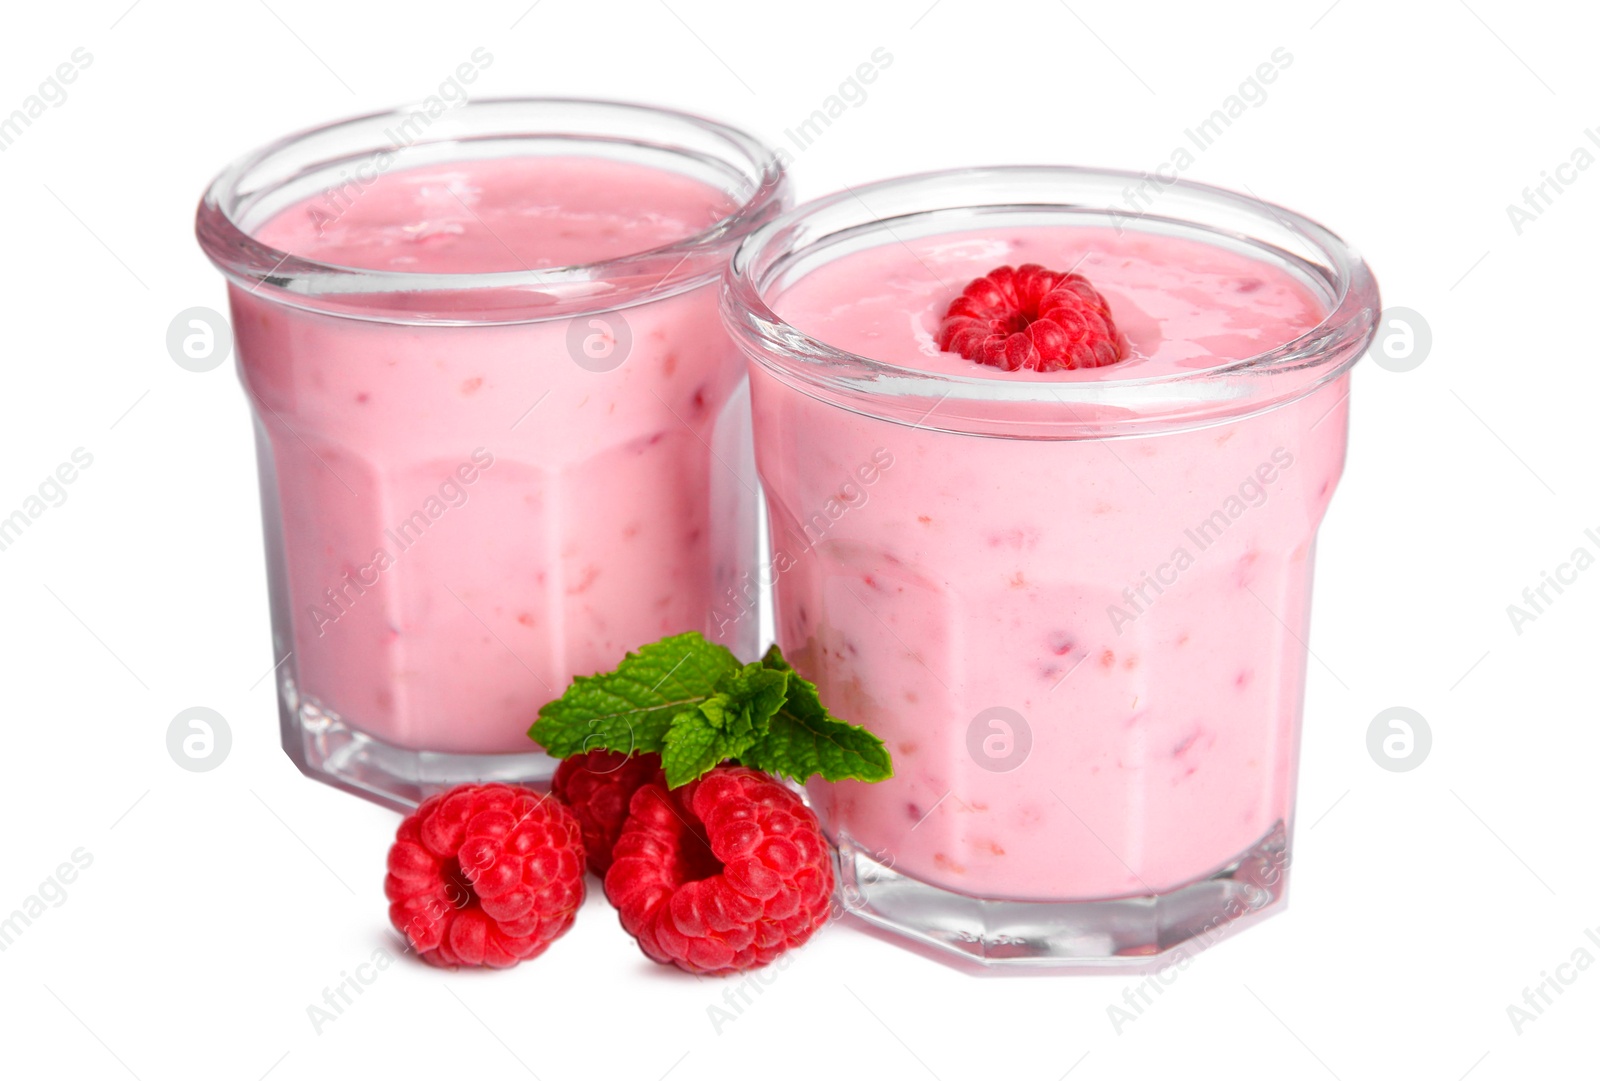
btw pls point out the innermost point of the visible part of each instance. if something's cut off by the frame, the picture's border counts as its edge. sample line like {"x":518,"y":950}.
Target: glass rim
{"x":1268,"y":378}
{"x":247,"y":261}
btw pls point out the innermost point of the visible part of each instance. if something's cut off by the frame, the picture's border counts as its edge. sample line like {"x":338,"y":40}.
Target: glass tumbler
{"x":1075,"y":610}
{"x":476,"y":485}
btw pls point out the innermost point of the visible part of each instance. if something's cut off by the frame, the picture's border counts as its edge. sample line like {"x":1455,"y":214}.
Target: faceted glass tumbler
{"x":1076,"y":612}
{"x":476,"y":486}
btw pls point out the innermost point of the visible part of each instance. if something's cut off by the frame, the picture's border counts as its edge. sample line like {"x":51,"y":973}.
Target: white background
{"x":219,"y":905}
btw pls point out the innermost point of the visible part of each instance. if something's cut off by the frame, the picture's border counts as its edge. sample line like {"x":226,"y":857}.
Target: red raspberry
{"x":1034,"y":318}
{"x":597,"y":785}
{"x":721,"y":875}
{"x":485,"y":875}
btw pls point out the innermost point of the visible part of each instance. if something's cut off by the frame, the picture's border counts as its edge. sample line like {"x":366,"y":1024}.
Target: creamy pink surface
{"x":461,"y":518}
{"x":973,"y":572}
{"x":1184,"y":305}
{"x":498,"y":214}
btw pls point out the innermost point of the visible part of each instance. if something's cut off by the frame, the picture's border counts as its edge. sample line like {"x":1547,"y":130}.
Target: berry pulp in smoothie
{"x":1086,"y":655}
{"x":463,"y":515}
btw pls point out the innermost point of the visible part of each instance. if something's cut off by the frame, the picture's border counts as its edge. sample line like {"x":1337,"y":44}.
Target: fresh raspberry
{"x":721,"y":875}
{"x":485,"y":875}
{"x":597,"y":785}
{"x":1030,"y":317}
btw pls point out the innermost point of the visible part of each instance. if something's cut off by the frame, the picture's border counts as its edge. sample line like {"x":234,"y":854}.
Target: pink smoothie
{"x":462,"y":517}
{"x":1141,"y":603}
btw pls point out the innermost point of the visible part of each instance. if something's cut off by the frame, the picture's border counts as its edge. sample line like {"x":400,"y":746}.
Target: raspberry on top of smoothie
{"x":1030,"y":317}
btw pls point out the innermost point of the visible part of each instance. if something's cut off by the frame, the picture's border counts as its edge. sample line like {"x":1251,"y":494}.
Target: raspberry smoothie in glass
{"x":1066,"y":576}
{"x":503,"y":437}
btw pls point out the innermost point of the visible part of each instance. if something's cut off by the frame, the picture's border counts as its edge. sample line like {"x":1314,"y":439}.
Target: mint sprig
{"x":694,"y":704}
{"x":809,"y":740}
{"x":629,"y":710}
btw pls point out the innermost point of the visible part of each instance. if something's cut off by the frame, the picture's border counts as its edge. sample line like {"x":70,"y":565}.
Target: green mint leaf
{"x":693,"y":703}
{"x":630,"y":710}
{"x":803,"y":738}
{"x":695,"y":743}
{"x":723,"y":726}
{"x":757,"y":690}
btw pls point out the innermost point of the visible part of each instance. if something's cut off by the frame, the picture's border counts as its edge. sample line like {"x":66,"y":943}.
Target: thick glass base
{"x":328,"y":749}
{"x":1128,"y":934}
